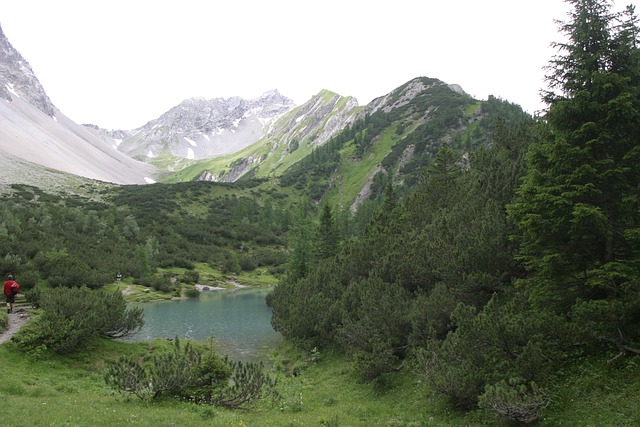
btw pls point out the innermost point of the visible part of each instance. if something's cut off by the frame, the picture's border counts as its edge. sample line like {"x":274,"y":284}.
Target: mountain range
{"x":230,"y":139}
{"x":34,"y":134}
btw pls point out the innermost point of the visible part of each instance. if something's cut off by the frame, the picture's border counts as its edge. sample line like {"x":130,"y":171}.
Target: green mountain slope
{"x":393,"y":139}
{"x":331,"y":149}
{"x":290,"y":139}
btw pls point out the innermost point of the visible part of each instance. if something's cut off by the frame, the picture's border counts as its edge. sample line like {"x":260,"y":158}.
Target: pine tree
{"x":300,"y":244}
{"x":327,"y":235}
{"x":577,"y":209}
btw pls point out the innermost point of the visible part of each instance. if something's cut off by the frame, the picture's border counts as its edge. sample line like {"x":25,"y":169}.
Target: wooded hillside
{"x":492,"y":274}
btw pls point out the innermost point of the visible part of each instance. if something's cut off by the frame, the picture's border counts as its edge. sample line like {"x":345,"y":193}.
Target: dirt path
{"x":16,"y":321}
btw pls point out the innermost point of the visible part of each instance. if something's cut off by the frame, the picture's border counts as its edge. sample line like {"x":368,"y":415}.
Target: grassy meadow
{"x":315,"y":388}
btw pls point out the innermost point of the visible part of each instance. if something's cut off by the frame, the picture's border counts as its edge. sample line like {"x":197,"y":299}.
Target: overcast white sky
{"x":121,"y":63}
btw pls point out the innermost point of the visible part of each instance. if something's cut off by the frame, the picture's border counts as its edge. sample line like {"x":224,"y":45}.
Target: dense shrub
{"x":267,"y":256}
{"x":378,"y":347}
{"x":28,"y":280}
{"x":505,"y":340}
{"x":70,"y":317}
{"x":192,"y":293}
{"x":516,"y":400}
{"x":247,"y":262}
{"x":162,"y":284}
{"x":231,"y":263}
{"x":201,"y":376}
{"x":73,"y":241}
{"x":190,"y":276}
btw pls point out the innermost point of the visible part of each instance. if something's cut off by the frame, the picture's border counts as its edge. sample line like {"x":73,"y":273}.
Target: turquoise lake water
{"x":239,"y":320}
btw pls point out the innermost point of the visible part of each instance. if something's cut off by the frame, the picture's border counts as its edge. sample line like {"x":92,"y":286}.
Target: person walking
{"x":11,"y":288}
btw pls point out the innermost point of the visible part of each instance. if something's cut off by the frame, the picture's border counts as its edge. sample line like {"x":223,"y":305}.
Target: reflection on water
{"x":239,"y":320}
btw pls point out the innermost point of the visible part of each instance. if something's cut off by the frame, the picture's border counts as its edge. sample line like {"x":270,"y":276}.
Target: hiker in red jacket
{"x":11,"y":288}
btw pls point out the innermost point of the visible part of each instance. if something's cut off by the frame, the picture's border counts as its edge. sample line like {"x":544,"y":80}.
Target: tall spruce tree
{"x":300,"y":244}
{"x":326,"y":244}
{"x":578,"y":209}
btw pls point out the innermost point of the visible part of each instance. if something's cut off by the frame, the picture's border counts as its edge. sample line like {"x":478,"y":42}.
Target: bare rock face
{"x":18,"y":80}
{"x":199,"y":128}
{"x":405,"y":94}
{"x":35,"y":134}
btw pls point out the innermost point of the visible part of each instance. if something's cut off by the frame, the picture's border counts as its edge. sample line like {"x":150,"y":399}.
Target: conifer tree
{"x":577,"y":209}
{"x":327,"y":235}
{"x":300,"y":244}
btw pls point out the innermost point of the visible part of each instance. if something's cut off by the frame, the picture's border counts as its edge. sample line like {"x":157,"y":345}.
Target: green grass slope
{"x":46,"y":390}
{"x":291,"y":138}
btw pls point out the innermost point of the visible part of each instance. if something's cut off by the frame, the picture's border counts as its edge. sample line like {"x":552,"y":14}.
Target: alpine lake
{"x":238,"y":320}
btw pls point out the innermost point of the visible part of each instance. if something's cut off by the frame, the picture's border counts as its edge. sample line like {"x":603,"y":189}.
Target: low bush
{"x":71,"y":316}
{"x":200,"y":376}
{"x":515,"y":400}
{"x":161,"y":284}
{"x":192,"y":293}
{"x":190,"y":276}
{"x":247,"y":263}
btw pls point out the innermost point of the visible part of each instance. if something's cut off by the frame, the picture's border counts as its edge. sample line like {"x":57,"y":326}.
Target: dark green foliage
{"x":201,"y":376}
{"x":515,"y":400}
{"x":71,"y":241}
{"x":72,"y":316}
{"x":496,"y":113}
{"x":159,"y":283}
{"x":267,"y":256}
{"x":246,"y":262}
{"x":316,"y":167}
{"x":27,"y":280}
{"x":307,"y":308}
{"x":247,"y":385}
{"x":231,"y":263}
{"x":190,"y":277}
{"x":506,"y":339}
{"x":446,"y":243}
{"x":300,"y":247}
{"x":192,"y":293}
{"x":577,"y":210}
{"x":381,"y":181}
{"x":128,"y":375}
{"x":327,"y":236}
{"x":374,"y":326}
{"x":418,"y":278}
{"x":169,"y":372}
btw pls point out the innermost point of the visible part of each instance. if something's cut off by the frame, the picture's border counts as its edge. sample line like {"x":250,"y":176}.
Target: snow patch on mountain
{"x":34,"y":131}
{"x":17,"y":79}
{"x":198,"y":128}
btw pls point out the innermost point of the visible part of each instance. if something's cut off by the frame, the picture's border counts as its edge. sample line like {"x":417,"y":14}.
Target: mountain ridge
{"x":34,"y":130}
{"x":17,"y":79}
{"x":232,"y":139}
{"x":198,"y":128}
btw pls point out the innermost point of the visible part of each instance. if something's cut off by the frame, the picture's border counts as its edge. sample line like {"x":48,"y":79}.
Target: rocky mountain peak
{"x":273,"y":97}
{"x":198,"y":127}
{"x":419,"y":87}
{"x":194,"y":117}
{"x":17,"y":79}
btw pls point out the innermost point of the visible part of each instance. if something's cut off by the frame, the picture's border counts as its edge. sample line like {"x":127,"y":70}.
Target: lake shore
{"x":206,"y":288}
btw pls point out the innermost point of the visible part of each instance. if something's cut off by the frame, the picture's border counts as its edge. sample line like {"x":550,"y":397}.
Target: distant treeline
{"x":72,"y":241}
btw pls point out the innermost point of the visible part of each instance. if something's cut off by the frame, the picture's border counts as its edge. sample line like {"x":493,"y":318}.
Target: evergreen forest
{"x":490,"y":276}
